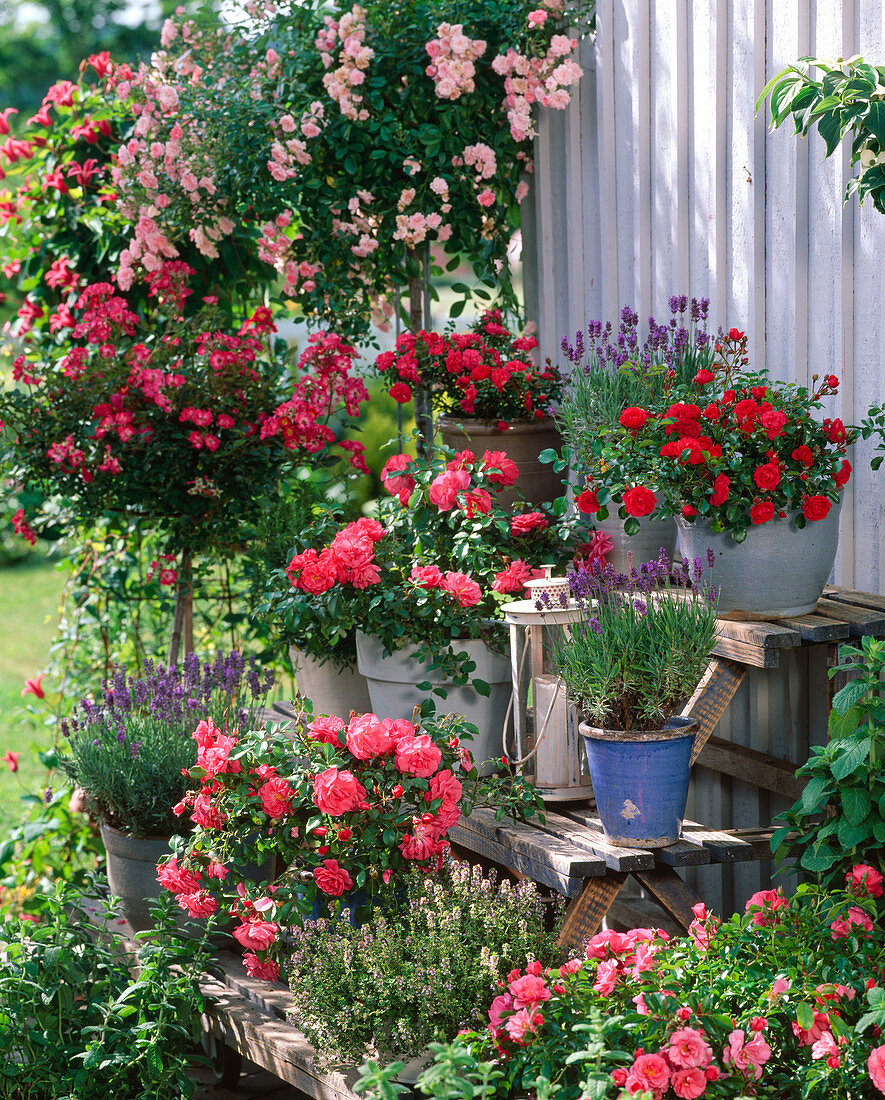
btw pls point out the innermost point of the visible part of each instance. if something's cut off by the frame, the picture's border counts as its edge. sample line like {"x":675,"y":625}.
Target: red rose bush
{"x":341,"y":806}
{"x":484,"y":374}
{"x":731,"y":446}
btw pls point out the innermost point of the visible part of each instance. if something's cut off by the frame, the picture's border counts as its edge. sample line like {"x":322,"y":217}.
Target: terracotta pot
{"x":523,"y":441}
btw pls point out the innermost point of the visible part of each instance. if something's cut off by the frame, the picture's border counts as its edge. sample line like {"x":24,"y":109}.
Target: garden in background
{"x":307,"y":562}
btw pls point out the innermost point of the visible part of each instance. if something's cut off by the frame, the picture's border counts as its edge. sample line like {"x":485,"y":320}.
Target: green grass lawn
{"x":29,"y":603}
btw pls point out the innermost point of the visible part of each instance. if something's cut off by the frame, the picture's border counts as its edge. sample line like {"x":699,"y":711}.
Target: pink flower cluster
{"x":413,"y":227}
{"x":325,"y":385}
{"x":275,"y":249}
{"x":542,"y":79}
{"x":452,"y":55}
{"x":353,"y":60}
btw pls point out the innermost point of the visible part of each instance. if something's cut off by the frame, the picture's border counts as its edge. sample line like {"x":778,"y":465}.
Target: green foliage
{"x":840,"y":818}
{"x":74,"y":1022}
{"x":847,"y":99}
{"x":417,"y":971}
{"x":53,"y":844}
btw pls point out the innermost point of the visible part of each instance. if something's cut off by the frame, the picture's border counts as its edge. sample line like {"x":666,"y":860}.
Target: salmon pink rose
{"x":427,"y":576}
{"x":326,"y":729}
{"x":256,"y":934}
{"x":367,"y":736}
{"x":332,"y":879}
{"x":876,"y":1068}
{"x":276,"y":797}
{"x":396,"y":481}
{"x":445,"y":786}
{"x":264,"y":969}
{"x":338,"y":792}
{"x":650,"y":1072}
{"x":863,"y":880}
{"x":464,"y":589}
{"x":688,"y":1048}
{"x":445,"y":487}
{"x":502,"y":470}
{"x":177,"y":880}
{"x":418,"y":756}
{"x":688,"y":1084}
{"x":198,"y":905}
{"x":530,"y":989}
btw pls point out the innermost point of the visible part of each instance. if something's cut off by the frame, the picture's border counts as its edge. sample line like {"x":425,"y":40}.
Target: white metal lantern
{"x":545,"y":746}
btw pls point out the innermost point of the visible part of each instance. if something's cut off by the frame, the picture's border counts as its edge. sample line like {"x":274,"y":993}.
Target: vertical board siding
{"x":661,"y":180}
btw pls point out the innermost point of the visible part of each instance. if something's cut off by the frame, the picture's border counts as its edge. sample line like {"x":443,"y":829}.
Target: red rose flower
{"x":843,"y":473}
{"x":704,"y":376}
{"x":832,"y":381}
{"x":761,"y":512}
{"x":587,"y":502}
{"x":735,"y":334}
{"x":804,"y":455}
{"x":773,"y":421}
{"x":767,"y":476}
{"x":639,"y":501}
{"x":401,"y":393}
{"x":688,"y":511}
{"x":835,"y":431}
{"x":633,"y":418}
{"x":816,"y":507}
{"x":720,"y":490}
{"x":712,"y":412}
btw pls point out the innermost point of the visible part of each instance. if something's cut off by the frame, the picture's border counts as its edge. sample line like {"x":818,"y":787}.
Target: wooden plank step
{"x":541,"y":856}
{"x":770,"y":635}
{"x":758,"y":838}
{"x":747,"y":654}
{"x":751,"y":766}
{"x":686,"y":852}
{"x":584,"y":829}
{"x":869,"y":600}
{"x":722,"y":846}
{"x":860,"y":619}
{"x":272,"y":1044}
{"x":818,"y":628}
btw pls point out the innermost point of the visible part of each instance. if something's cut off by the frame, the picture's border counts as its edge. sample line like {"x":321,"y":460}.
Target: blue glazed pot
{"x":640,"y":781}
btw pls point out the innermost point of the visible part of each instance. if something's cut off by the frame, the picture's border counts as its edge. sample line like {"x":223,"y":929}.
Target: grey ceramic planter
{"x":132,"y":873}
{"x":645,"y":545}
{"x":779,"y":570}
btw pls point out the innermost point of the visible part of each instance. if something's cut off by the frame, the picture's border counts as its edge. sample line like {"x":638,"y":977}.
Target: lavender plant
{"x":129,"y":746}
{"x":644,"y":644}
{"x":419,"y":972}
{"x":611,"y":371}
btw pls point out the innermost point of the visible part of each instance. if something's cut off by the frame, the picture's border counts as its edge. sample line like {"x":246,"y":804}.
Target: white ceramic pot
{"x":331,"y":690}
{"x":394,"y":692}
{"x":779,"y":570}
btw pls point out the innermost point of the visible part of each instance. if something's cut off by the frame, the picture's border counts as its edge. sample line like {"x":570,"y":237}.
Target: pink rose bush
{"x":764,"y":1004}
{"x":342,"y":806}
{"x":432,"y":568}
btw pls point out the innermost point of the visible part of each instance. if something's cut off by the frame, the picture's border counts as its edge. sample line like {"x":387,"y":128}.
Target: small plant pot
{"x":640,"y":780}
{"x":132,"y":873}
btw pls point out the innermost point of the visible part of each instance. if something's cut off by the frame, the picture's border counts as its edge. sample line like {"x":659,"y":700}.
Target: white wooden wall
{"x":659,"y":180}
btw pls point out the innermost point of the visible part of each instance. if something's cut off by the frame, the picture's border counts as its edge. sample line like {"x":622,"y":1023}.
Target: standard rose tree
{"x":346,"y":808}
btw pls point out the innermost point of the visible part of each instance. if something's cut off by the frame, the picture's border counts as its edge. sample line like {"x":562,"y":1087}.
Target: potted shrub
{"x":611,"y":371}
{"x":784,"y":1001}
{"x":746,"y":468}
{"x":130,"y":750}
{"x":629,"y":668}
{"x":423,"y":584}
{"x":345,"y":809}
{"x":488,"y":394}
